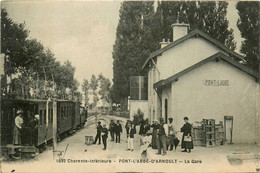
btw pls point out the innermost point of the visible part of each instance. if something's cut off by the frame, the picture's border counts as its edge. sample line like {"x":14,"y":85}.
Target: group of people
{"x":25,"y":129}
{"x":159,"y":135}
{"x":115,"y":129}
{"x":165,"y":136}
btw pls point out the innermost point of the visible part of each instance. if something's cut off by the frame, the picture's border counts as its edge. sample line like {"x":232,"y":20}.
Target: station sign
{"x":216,"y":83}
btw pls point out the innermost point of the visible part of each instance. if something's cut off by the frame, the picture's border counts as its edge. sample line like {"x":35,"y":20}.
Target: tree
{"x":32,"y":65}
{"x":249,"y":26}
{"x":85,"y":88}
{"x":93,"y":83}
{"x":133,"y":44}
{"x":13,"y":40}
{"x":104,"y":88}
{"x":209,"y":17}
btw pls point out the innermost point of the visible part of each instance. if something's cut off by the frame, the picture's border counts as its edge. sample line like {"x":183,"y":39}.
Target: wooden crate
{"x":199,"y":143}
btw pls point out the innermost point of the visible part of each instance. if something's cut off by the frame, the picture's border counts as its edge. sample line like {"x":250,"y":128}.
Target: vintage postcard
{"x":129,"y":86}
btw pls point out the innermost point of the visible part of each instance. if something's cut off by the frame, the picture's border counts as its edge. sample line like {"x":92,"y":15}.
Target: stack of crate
{"x":198,"y":135}
{"x":208,"y":133}
{"x":220,"y":134}
{"x":209,"y":128}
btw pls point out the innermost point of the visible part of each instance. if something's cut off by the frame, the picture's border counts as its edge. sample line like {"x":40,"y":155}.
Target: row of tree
{"x":99,"y":86}
{"x":141,"y":28}
{"x":30,"y":69}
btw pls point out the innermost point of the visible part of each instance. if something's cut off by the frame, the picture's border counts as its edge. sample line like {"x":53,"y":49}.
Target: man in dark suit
{"x":112,"y":130}
{"x":104,"y":136}
{"x":33,"y":124}
{"x":118,"y":130}
{"x":98,"y":136}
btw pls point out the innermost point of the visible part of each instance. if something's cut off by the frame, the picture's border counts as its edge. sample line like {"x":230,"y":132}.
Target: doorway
{"x":228,"y":126}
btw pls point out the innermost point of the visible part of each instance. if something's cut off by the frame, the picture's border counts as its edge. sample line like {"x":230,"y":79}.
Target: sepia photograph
{"x":129,"y":86}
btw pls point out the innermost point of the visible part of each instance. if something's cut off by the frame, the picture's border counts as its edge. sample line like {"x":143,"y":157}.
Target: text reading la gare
{"x":158,"y":161}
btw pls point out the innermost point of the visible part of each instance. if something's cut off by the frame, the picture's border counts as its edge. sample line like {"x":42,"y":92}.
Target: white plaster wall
{"x":184,"y":55}
{"x":153,"y":110}
{"x":179,"y":31}
{"x":166,"y":94}
{"x":190,"y":97}
{"x":134,"y":105}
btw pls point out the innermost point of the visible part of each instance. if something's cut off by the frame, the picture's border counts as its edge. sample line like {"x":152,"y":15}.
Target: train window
{"x":40,"y":117}
{"x":65,"y":111}
{"x":49,"y":115}
{"x":44,"y":116}
{"x":62,"y":111}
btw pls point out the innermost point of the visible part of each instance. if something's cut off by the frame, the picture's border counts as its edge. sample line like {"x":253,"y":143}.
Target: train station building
{"x":198,"y":77}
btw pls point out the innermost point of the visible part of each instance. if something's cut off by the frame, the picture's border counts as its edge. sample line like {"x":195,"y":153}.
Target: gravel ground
{"x":228,"y":158}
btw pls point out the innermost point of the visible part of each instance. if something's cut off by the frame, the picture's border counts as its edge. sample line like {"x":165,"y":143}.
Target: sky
{"x":81,"y":31}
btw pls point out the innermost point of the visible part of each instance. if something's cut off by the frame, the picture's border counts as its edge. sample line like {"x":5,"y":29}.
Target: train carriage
{"x":76,"y":120}
{"x":68,"y":117}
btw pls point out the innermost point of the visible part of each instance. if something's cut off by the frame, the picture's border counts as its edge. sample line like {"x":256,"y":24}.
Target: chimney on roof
{"x":179,"y":30}
{"x":164,"y":43}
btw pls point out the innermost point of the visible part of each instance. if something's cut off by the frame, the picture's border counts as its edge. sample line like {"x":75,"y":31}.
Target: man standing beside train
{"x":33,"y":124}
{"x":17,"y":128}
{"x":98,"y":136}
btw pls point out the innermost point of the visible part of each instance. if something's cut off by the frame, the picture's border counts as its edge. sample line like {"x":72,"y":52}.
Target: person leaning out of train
{"x":104,"y":136}
{"x":18,"y":127}
{"x":33,"y":124}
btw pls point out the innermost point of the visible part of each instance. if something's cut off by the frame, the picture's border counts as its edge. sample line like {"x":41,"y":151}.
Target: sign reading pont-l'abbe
{"x":216,"y":83}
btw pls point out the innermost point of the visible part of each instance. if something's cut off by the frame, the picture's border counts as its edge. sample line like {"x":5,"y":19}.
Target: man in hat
{"x":98,"y":136}
{"x":171,"y":136}
{"x":112,"y":130}
{"x":118,"y":130}
{"x":104,"y":136}
{"x":17,"y":127}
{"x":130,"y":131}
{"x":33,"y":124}
{"x":162,"y":136}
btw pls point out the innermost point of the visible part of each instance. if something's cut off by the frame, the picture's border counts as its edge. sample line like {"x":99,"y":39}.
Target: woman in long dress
{"x":155,"y":127}
{"x":186,"y":129}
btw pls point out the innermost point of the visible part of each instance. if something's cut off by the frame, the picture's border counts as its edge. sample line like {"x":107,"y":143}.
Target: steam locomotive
{"x":70,"y":117}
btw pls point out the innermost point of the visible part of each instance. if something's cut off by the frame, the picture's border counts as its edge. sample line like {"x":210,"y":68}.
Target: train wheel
{"x":16,"y":156}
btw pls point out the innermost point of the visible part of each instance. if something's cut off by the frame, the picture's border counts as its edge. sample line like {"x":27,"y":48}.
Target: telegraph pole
{"x":54,"y":129}
{"x":1,"y":73}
